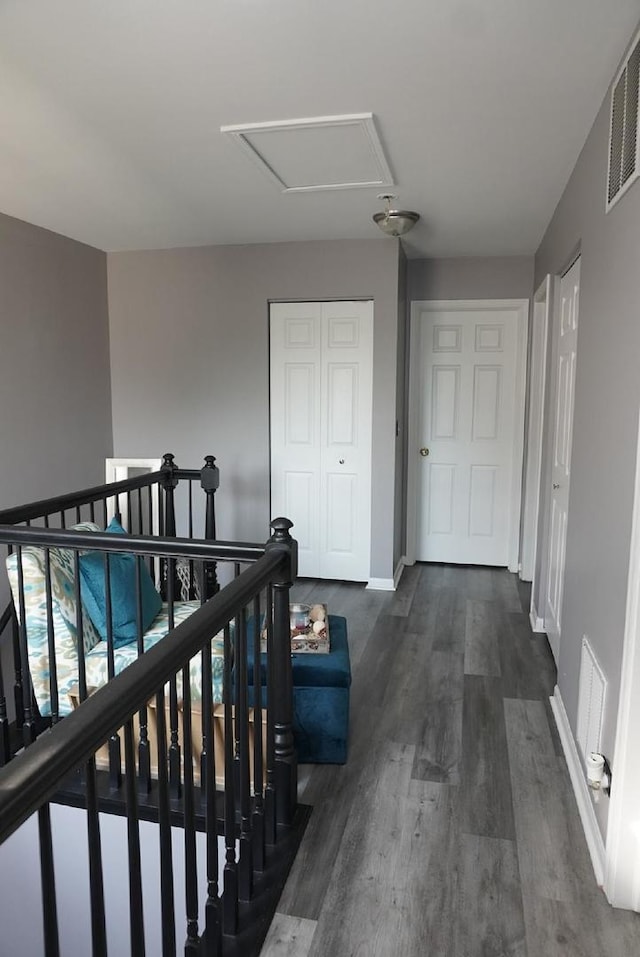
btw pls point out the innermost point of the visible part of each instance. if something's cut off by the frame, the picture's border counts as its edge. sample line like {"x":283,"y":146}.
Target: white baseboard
{"x":537,"y":624}
{"x":397,"y":575}
{"x":588,"y":818}
{"x":381,"y":584}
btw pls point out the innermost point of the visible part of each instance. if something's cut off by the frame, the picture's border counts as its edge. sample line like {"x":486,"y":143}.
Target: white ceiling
{"x":110,"y":114}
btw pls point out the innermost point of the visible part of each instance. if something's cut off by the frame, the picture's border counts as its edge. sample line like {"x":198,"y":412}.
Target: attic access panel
{"x":327,"y":152}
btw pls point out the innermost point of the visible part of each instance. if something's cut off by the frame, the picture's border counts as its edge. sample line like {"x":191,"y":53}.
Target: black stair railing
{"x":163,"y":503}
{"x":242,"y":792}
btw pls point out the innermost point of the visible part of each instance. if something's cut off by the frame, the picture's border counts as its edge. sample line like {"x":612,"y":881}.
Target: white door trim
{"x":435,"y":305}
{"x":622,"y":866}
{"x":535,"y":428}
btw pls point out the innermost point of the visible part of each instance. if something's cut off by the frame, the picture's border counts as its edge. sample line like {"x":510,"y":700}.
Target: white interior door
{"x":470,"y":431}
{"x":321,"y":413}
{"x":564,"y":375}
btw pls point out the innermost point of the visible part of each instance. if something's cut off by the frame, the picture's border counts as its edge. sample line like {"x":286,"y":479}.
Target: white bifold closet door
{"x":321,"y":365}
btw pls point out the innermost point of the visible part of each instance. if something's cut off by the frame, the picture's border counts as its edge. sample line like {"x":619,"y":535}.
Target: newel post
{"x":169,"y":482}
{"x":286,"y":761}
{"x":210,"y":482}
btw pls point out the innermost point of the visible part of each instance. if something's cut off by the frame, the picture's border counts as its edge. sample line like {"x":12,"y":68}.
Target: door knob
{"x":424,"y":452}
{"x":556,"y":485}
{"x":341,"y":461}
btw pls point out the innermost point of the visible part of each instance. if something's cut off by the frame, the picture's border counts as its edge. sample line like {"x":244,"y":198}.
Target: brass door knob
{"x":424,"y":452}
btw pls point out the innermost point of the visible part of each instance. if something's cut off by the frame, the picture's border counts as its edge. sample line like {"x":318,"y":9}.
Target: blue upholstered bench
{"x":321,"y":685}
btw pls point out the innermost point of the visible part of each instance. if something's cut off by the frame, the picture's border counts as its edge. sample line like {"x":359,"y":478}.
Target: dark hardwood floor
{"x":452,"y":831}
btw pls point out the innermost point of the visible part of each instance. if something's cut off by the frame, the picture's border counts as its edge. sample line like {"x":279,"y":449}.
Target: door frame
{"x":535,"y":428}
{"x":415,"y":376}
{"x":537,"y":616}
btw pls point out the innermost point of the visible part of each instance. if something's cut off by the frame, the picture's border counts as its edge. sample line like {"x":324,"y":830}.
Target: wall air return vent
{"x":624,"y":161}
{"x":591,"y":695}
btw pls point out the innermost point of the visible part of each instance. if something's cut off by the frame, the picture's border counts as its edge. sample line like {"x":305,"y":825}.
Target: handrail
{"x":167,"y":547}
{"x":36,"y":773}
{"x":48,"y":506}
{"x":6,"y":617}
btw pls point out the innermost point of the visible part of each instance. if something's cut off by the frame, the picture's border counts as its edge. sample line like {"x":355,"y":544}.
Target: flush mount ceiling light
{"x":394,"y":222}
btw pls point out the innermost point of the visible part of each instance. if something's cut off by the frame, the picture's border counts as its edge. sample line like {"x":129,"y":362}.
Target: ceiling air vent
{"x":624,"y":161}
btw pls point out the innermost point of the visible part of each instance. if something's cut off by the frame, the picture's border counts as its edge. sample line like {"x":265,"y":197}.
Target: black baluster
{"x":245,"y":869}
{"x":5,"y":741}
{"x":115,"y":750}
{"x":28,"y":726}
{"x":207,"y":704}
{"x":213,"y":924}
{"x":139,"y":522}
{"x":104,"y":512}
{"x":210,"y":481}
{"x":144,"y":753}
{"x":192,"y":942}
{"x":82,"y":670}
{"x":51,"y":641}
{"x":63,"y":520}
{"x":230,"y":894}
{"x":136,"y":921}
{"x":78,"y":518}
{"x":46,"y":521}
{"x":174,"y":717}
{"x":18,"y":688}
{"x":152,"y":561}
{"x":282,"y":702}
{"x":96,"y":883}
{"x":129,"y":519}
{"x":92,"y":511}
{"x":192,"y":590}
{"x":258,"y":758}
{"x":270,"y":789}
{"x":167,"y":904}
{"x":48,"y":885}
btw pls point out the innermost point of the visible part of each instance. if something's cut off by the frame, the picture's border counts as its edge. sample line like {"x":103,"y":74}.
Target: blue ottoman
{"x":321,"y":685}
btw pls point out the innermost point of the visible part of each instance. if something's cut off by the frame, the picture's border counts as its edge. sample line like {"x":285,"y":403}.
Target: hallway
{"x":452,"y":831}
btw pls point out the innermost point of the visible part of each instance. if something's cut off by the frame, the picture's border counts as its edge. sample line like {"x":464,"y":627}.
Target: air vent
{"x":623,"y":140}
{"x":592,"y":689}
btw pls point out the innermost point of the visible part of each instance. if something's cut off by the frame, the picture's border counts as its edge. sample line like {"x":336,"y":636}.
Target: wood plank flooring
{"x":452,"y":831}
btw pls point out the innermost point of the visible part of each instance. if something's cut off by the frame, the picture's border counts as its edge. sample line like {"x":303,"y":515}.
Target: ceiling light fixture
{"x":394,"y":222}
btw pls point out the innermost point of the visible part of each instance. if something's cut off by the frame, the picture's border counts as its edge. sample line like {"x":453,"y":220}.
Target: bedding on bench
{"x":63,"y":602}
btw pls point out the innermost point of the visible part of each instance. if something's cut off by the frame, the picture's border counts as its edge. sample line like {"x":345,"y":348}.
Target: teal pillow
{"x":123,"y":592}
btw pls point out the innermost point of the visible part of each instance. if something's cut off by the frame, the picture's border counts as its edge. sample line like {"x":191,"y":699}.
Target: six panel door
{"x":467,"y":408}
{"x":565,"y":373}
{"x":321,"y":406}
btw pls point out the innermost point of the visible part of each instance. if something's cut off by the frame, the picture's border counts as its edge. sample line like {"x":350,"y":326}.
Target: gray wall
{"x":55,"y":402}
{"x":605,"y":428}
{"x":190,"y":370}
{"x":506,"y":277}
